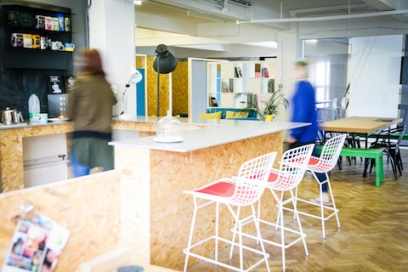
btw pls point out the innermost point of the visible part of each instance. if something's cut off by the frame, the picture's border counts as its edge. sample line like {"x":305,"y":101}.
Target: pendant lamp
{"x":163,"y":63}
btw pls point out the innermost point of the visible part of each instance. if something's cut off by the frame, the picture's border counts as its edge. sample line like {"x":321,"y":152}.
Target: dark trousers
{"x":320,"y":176}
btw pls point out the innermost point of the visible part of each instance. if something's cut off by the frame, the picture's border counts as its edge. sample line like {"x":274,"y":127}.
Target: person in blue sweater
{"x":303,"y":106}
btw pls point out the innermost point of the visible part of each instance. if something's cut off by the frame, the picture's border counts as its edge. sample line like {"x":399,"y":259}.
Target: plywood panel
{"x":89,"y":207}
{"x":167,"y":211}
{"x":180,"y":88}
{"x":11,"y":146}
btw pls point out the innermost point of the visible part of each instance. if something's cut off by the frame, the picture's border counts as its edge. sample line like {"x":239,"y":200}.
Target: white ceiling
{"x":221,"y":25}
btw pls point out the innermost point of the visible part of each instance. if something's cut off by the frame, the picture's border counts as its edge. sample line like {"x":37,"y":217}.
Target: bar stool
{"x":287,"y":177}
{"x":238,"y":191}
{"x":324,"y":164}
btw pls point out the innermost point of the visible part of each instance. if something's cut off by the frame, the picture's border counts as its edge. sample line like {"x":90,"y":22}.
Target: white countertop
{"x":30,"y":124}
{"x":218,"y":132}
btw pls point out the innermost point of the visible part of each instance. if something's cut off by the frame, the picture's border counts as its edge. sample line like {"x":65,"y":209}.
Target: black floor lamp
{"x":163,"y":63}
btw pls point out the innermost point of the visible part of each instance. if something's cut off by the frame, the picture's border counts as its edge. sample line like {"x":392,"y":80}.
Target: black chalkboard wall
{"x":17,"y":84}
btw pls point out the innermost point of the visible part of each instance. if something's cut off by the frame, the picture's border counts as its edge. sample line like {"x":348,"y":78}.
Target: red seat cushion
{"x":272,"y":177}
{"x":313,"y":161}
{"x":220,"y":188}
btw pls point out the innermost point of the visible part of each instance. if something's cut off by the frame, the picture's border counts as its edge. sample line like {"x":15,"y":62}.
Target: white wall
{"x":375,"y":75}
{"x":286,"y":58}
{"x":111,"y":32}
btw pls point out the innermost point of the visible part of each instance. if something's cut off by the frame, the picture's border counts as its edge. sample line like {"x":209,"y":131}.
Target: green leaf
{"x":269,"y":106}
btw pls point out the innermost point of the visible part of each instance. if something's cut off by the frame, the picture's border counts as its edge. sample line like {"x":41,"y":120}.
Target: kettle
{"x":18,"y":117}
{"x":11,"y":117}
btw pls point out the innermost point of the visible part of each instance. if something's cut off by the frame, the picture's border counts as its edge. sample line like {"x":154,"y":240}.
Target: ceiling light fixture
{"x":217,"y":5}
{"x":327,"y":18}
{"x":137,"y":2}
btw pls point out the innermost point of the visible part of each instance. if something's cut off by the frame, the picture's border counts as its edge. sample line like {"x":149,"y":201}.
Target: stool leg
{"x":238,"y":228}
{"x":217,"y":213}
{"x":298,"y":220}
{"x":280,"y":212}
{"x":280,"y":224}
{"x":241,"y":254}
{"x":321,"y":206}
{"x":190,"y":237}
{"x":333,"y":202}
{"x":322,"y":210}
{"x":259,"y":237}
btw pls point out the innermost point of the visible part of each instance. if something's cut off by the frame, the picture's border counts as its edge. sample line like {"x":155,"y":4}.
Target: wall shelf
{"x":229,"y":82}
{"x":20,"y":20}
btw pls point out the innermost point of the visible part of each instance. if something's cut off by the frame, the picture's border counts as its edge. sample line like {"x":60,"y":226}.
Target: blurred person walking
{"x":90,"y":108}
{"x":304,"y":110}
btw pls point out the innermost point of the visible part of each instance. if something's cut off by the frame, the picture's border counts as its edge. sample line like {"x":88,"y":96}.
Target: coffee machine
{"x":58,"y":97}
{"x":57,"y":105}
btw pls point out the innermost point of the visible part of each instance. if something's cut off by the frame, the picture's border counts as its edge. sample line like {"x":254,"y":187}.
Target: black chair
{"x":390,"y":141}
{"x":397,"y":133}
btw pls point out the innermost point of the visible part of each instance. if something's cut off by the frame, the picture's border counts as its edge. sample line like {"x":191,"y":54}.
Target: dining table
{"x":359,"y":125}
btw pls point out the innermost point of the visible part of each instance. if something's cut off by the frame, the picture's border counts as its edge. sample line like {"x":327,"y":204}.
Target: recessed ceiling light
{"x":137,"y":2}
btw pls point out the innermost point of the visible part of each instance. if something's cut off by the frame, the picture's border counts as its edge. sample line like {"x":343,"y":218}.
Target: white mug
{"x":57,"y":46}
{"x":43,"y":118}
{"x":70,"y":47}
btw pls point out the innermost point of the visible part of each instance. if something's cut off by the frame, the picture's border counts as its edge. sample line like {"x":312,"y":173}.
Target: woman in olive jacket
{"x":90,"y":108}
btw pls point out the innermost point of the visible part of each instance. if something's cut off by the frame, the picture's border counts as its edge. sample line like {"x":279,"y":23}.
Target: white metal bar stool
{"x":287,"y":177}
{"x":324,"y":164}
{"x":236,"y":192}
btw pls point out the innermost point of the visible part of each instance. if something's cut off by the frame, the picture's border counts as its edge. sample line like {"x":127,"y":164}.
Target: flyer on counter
{"x":36,"y":245}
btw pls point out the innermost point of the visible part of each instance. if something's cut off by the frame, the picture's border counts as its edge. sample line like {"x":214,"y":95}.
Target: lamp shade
{"x":135,"y":76}
{"x":164,"y":62}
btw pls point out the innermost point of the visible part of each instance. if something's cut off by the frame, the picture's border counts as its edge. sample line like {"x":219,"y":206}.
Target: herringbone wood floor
{"x":374,"y":226}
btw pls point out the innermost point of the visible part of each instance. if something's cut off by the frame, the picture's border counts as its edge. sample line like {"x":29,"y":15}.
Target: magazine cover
{"x":36,"y":245}
{"x":56,"y":85}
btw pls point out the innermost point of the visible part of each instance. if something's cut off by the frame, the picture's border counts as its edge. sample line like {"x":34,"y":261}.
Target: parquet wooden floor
{"x":374,"y":226}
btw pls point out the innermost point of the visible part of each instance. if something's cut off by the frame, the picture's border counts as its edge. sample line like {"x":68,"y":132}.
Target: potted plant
{"x":267,"y":106}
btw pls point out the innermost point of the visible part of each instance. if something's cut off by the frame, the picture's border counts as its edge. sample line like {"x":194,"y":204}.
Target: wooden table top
{"x":357,"y":124}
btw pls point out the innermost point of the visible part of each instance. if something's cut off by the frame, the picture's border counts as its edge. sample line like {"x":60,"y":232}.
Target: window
{"x":320,"y":78}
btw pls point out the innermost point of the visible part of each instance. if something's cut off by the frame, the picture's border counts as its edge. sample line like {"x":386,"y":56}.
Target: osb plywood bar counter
{"x":11,"y":144}
{"x":140,"y":204}
{"x":156,"y":215}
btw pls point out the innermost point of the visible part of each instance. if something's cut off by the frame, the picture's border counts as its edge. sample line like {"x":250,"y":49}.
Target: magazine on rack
{"x":36,"y":245}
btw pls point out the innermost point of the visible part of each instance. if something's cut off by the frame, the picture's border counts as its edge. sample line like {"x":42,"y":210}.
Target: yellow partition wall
{"x":178,"y":80}
{"x":152,"y":90}
{"x":180,"y":88}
